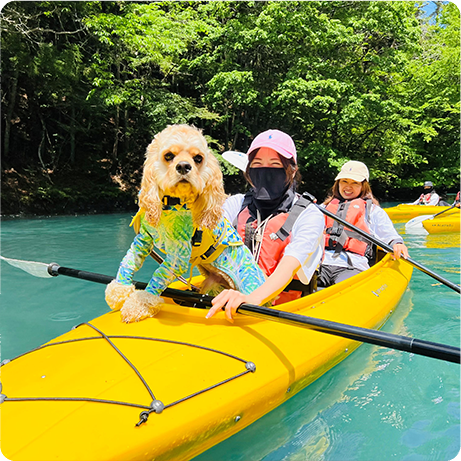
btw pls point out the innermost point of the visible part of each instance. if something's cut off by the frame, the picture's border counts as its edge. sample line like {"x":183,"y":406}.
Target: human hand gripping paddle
{"x":188,"y":298}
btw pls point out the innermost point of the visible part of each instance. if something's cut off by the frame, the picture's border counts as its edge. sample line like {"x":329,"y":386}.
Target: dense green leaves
{"x":87,"y":84}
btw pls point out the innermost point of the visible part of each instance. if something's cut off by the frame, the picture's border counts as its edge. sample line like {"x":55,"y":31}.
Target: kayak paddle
{"x":417,"y":220}
{"x":201,"y":301}
{"x":238,"y":159}
{"x":383,"y":245}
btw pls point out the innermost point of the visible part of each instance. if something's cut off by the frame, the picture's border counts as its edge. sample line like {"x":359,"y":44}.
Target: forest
{"x":87,"y":84}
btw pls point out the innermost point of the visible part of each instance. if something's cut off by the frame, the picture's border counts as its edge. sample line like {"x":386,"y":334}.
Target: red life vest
{"x":272,"y":248}
{"x":425,"y":198}
{"x":338,"y":237}
{"x":275,"y":239}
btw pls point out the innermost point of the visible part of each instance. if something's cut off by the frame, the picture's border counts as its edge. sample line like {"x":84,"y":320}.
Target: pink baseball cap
{"x":277,"y":140}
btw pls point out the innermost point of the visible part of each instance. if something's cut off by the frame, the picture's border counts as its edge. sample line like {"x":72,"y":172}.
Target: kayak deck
{"x":87,"y":400}
{"x":405,"y":212}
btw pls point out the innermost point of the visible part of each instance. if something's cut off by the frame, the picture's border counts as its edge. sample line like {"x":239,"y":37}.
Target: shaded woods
{"x":86,"y":85}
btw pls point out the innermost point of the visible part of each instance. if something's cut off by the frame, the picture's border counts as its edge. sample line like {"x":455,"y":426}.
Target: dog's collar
{"x":173,"y":203}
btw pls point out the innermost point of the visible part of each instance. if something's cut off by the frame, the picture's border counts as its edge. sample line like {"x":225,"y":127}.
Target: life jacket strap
{"x":301,"y":204}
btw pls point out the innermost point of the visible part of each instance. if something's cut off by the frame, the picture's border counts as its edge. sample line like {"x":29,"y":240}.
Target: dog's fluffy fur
{"x":180,"y":164}
{"x":203,"y":189}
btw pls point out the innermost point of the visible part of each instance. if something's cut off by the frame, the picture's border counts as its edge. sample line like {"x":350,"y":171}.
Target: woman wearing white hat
{"x":284,"y":233}
{"x":346,"y":252}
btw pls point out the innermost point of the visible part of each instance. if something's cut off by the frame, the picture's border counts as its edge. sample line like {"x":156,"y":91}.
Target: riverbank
{"x":38,"y":193}
{"x":25,"y":194}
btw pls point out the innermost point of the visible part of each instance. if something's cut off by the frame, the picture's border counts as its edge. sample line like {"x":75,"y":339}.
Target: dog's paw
{"x":140,"y":305}
{"x":117,"y":294}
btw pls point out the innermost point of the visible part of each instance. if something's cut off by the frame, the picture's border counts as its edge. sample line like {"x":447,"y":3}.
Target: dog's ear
{"x":149,"y":197}
{"x":207,"y":210}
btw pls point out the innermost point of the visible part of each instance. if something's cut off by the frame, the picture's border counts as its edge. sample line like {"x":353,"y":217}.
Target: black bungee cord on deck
{"x":156,"y":406}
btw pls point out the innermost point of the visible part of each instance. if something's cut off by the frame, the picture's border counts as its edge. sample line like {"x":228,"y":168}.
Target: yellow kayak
{"x":78,"y":398}
{"x":405,"y":212}
{"x":443,"y":224}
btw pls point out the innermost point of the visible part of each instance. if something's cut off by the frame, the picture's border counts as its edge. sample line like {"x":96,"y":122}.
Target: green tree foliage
{"x":87,"y":84}
{"x":339,"y":77}
{"x":431,"y":93}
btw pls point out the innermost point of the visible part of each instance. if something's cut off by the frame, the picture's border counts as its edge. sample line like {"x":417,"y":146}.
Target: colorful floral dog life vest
{"x":219,"y":251}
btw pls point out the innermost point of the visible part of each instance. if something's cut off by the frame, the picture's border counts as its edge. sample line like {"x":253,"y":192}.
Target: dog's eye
{"x":168,"y":157}
{"x":198,"y":159}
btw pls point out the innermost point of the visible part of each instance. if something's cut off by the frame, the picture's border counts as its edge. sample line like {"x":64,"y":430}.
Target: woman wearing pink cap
{"x":346,"y":252}
{"x":283,"y":232}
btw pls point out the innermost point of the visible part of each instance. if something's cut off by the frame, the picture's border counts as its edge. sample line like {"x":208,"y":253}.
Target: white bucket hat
{"x":357,"y":171}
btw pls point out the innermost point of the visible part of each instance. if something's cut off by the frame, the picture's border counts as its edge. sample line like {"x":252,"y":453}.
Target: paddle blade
{"x":34,"y":268}
{"x":416,"y":223}
{"x":238,"y":159}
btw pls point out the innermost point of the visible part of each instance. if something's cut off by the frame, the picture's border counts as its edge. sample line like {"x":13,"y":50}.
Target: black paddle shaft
{"x":379,"y":338}
{"x":448,"y":209}
{"x":191,"y":298}
{"x":383,"y":245}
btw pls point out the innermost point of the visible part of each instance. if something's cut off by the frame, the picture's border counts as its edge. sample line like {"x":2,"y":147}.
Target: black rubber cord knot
{"x":142,"y":418}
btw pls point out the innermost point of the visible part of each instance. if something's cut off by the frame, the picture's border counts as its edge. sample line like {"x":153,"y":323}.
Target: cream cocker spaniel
{"x":180,"y":214}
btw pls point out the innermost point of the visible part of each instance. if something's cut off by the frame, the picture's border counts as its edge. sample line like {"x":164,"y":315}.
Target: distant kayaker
{"x":346,"y":252}
{"x":284,"y":233}
{"x":429,"y":196}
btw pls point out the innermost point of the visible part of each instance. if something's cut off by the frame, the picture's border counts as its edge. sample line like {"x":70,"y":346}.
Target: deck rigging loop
{"x":156,"y":406}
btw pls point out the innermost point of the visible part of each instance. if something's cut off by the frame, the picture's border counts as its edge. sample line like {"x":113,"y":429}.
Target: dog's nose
{"x":183,"y":167}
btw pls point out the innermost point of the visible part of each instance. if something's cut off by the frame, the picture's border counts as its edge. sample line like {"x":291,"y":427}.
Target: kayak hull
{"x":405,"y":212}
{"x":443,"y":224}
{"x":200,"y":369}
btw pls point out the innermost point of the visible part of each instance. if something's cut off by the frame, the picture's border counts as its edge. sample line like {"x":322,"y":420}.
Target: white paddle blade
{"x":238,"y":159}
{"x":33,"y":268}
{"x":416,"y":223}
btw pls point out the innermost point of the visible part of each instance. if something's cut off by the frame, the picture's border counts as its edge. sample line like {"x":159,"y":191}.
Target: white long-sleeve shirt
{"x":381,"y":227}
{"x":433,"y":201}
{"x":306,"y":244}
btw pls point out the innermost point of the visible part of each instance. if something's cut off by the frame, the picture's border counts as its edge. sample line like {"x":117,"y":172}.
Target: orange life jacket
{"x":272,"y":247}
{"x":275,"y":238}
{"x":338,"y":237}
{"x":425,"y":198}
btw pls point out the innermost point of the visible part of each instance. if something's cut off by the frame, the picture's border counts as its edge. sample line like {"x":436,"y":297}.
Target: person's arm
{"x":277,"y":281}
{"x":307,"y":242}
{"x":435,"y":199}
{"x":382,"y":227}
{"x":232,"y":206}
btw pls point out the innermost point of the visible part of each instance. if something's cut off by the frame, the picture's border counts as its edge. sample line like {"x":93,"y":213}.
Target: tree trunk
{"x":72,"y":135}
{"x":9,"y":113}
{"x":117,"y":121}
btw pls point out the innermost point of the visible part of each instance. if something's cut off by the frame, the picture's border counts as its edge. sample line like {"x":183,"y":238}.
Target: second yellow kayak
{"x":405,"y":212}
{"x":443,"y":224}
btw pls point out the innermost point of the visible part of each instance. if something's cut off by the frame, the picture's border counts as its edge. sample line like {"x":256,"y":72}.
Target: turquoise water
{"x":378,"y":404}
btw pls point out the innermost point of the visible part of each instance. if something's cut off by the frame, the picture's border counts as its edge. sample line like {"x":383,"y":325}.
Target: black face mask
{"x":428,"y":190}
{"x":271,"y":193}
{"x":269,"y":183}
